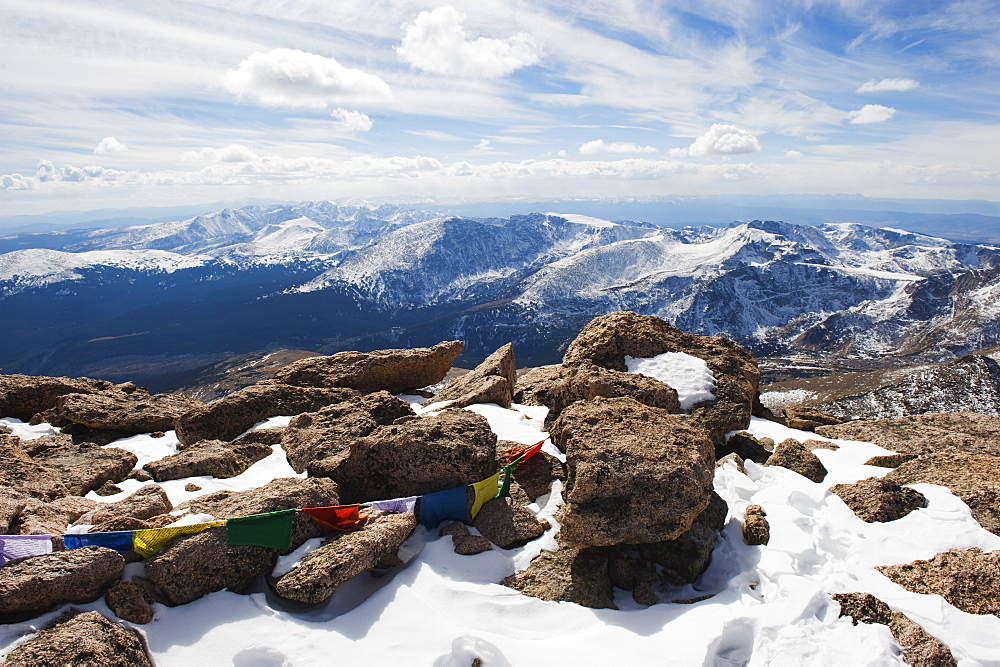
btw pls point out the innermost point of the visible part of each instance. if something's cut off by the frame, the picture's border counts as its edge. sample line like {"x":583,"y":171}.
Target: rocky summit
{"x":394,"y":474}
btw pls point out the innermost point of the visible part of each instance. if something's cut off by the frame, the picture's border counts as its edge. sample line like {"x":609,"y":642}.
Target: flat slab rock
{"x":969,"y":579}
{"x":83,"y":639}
{"x":968,"y":432}
{"x":492,"y":381}
{"x":135,"y":412}
{"x":215,"y":458}
{"x":635,"y":474}
{"x":879,"y":499}
{"x":23,"y":396}
{"x":919,"y":647}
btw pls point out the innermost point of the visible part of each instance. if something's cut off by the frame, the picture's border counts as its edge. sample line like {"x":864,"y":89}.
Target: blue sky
{"x":121,"y":104}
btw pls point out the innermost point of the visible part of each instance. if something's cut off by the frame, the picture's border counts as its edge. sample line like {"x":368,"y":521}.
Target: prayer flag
{"x":511,"y":454}
{"x":272,"y":529}
{"x":396,"y":505}
{"x":22,"y":546}
{"x":147,"y":542}
{"x":486,"y":491}
{"x":119,"y":540}
{"x":434,"y":508}
{"x":342,"y":517}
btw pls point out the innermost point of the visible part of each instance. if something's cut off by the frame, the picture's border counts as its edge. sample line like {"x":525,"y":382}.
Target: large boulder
{"x":82,"y":467}
{"x":919,"y":647}
{"x":568,"y":574}
{"x":322,"y":571}
{"x":23,"y":396}
{"x":507,"y":524}
{"x":968,"y":432}
{"x":331,"y":430}
{"x":490,"y":382}
{"x":195,"y":565}
{"x":559,"y":387}
{"x":215,"y":458}
{"x":147,"y":501}
{"x":21,"y":472}
{"x":135,"y":412}
{"x":413,"y":457}
{"x":396,"y":371}
{"x":31,"y":586}
{"x":85,"y":638}
{"x":793,"y":455}
{"x":231,"y":415}
{"x":635,"y":474}
{"x":879,"y":499}
{"x":607,"y":339}
{"x":683,"y":559}
{"x":975,"y":478}
{"x":967,"y":578}
{"x":22,"y":514}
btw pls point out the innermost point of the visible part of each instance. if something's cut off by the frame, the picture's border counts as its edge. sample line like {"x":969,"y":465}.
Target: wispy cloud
{"x":600,"y":146}
{"x":887,"y":85}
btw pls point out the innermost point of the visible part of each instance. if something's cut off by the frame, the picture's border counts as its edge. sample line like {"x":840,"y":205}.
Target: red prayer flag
{"x":344,"y":518}
{"x":524,"y":453}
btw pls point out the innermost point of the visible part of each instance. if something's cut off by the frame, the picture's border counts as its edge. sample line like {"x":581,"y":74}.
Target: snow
{"x":769,"y":605}
{"x":777,"y":401}
{"x":584,"y":220}
{"x":689,"y":375}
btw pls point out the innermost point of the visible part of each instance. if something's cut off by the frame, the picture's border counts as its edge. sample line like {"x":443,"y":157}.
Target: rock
{"x":465,"y":543}
{"x":969,"y":579}
{"x":569,"y":574}
{"x":191,"y":487}
{"x":975,"y":478}
{"x":490,"y":382}
{"x":588,"y":381}
{"x":108,"y":489}
{"x":97,"y":437}
{"x":890,"y":460}
{"x":22,"y":473}
{"x":396,"y":371}
{"x":263,"y":436}
{"x":214,"y":458}
{"x":331,"y":430}
{"x":735,"y":458}
{"x":805,"y":418}
{"x":32,"y":586}
{"x":878,"y":499}
{"x":685,"y":558}
{"x":343,"y":556}
{"x":635,"y":474}
{"x":231,"y":415}
{"x":22,"y":396}
{"x":52,"y":518}
{"x":126,"y":600}
{"x":813,"y":445}
{"x":147,"y":502}
{"x":86,"y":638}
{"x":83,"y":467}
{"x":637,"y":575}
{"x":607,"y":339}
{"x":967,"y":432}
{"x":415,"y":457}
{"x":195,"y":565}
{"x":533,"y":381}
{"x":792,"y":455}
{"x":746,"y":446}
{"x":919,"y":647}
{"x":508,"y":525}
{"x":535,"y":475}
{"x":756,"y":528}
{"x":136,"y":412}
{"x":140,"y":475}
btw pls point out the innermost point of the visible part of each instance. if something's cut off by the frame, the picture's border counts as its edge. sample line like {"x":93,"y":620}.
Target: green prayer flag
{"x":508,"y":476}
{"x":272,"y":530}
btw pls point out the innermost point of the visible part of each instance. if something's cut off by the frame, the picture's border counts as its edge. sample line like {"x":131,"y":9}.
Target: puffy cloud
{"x":484,"y":145}
{"x":720,"y":140}
{"x":600,"y":146}
{"x":871,"y":113}
{"x":48,"y":172}
{"x":887,"y":85}
{"x":15,"y":182}
{"x":436,"y":42}
{"x":110,"y":145}
{"x":293,"y":78}
{"x":352,"y":121}
{"x":231,"y":153}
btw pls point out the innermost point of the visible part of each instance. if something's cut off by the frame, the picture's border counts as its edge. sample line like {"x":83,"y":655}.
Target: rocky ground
{"x":638,"y":512}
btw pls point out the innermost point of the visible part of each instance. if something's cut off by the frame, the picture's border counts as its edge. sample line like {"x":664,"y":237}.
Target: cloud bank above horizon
{"x":108,"y":104}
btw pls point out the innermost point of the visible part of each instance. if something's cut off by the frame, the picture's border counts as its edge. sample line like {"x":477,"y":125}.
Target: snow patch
{"x":690,"y":376}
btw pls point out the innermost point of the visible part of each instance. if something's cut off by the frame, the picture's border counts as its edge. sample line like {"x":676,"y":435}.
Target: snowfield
{"x":768,"y":605}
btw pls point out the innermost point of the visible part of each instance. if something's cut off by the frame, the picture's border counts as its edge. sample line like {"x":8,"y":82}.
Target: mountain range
{"x":156,"y":301}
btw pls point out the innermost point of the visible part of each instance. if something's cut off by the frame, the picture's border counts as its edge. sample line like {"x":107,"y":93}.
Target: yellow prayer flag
{"x":486,"y":491}
{"x":147,"y":542}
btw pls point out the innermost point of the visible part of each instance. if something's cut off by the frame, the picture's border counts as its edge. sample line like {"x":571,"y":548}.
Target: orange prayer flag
{"x":344,"y":518}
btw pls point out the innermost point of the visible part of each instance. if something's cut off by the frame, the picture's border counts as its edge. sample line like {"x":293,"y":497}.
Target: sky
{"x":124,"y":104}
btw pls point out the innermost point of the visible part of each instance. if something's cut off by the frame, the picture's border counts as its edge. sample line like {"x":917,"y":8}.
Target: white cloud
{"x":48,"y":172}
{"x":436,"y":42}
{"x":15,"y":182}
{"x":110,"y":145}
{"x":293,"y":78}
{"x":720,"y":140}
{"x":793,"y":154}
{"x":352,"y":121}
{"x":871,"y":113}
{"x":231,"y":153}
{"x":600,"y":146}
{"x":484,"y":145}
{"x":887,"y":85}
